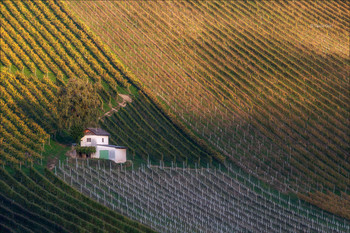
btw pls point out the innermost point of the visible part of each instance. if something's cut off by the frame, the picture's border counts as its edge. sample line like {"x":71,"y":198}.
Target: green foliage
{"x":52,"y":151}
{"x":88,"y":150}
{"x":77,"y":132}
{"x":78,"y":106}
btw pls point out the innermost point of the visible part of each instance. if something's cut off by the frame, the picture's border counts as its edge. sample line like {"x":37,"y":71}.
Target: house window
{"x":88,"y":139}
{"x":103,"y":140}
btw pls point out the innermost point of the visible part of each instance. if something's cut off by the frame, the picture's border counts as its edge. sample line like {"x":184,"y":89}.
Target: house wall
{"x":119,"y":154}
{"x":95,"y":139}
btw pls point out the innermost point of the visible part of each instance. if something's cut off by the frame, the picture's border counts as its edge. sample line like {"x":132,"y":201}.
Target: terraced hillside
{"x":266,"y":83}
{"x":177,"y":101}
{"x":41,"y":49}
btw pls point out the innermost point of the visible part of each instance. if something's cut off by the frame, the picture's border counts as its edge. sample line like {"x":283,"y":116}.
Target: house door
{"x":104,"y":154}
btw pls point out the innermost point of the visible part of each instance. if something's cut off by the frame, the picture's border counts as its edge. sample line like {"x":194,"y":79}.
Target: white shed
{"x":115,"y":153}
{"x":99,"y":138}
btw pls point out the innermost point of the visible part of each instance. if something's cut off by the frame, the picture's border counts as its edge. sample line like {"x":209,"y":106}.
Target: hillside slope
{"x":177,"y":199}
{"x":34,"y":203}
{"x":41,"y":49}
{"x":266,"y":83}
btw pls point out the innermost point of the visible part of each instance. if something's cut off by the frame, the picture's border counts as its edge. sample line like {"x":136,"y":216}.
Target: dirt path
{"x":126,"y":99}
{"x":52,"y":163}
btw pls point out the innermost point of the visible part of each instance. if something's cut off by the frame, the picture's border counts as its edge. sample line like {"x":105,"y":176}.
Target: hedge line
{"x":5,"y":228}
{"x":14,"y":206}
{"x":10,"y":192}
{"x":88,"y":150}
{"x":71,"y":212}
{"x":23,"y":220}
{"x":13,"y":225}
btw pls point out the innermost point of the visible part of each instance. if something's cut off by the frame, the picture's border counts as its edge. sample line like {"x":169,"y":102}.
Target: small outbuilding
{"x":99,"y":138}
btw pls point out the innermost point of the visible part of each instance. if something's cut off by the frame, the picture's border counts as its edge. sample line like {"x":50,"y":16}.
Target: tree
{"x":78,"y":107}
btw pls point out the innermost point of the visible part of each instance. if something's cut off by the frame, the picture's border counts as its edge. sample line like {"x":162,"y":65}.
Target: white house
{"x":99,"y":138}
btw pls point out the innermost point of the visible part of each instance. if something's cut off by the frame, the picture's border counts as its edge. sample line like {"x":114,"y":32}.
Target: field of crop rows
{"x":41,"y":48}
{"x":266,"y":83}
{"x":173,"y":199}
{"x":36,"y":203}
{"x":151,"y":136}
{"x":22,"y":95}
{"x":37,"y":51}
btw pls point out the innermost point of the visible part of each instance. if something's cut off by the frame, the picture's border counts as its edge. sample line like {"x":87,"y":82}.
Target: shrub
{"x":87,"y":150}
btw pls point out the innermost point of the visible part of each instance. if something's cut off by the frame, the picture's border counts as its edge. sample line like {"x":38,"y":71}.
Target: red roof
{"x":96,"y":131}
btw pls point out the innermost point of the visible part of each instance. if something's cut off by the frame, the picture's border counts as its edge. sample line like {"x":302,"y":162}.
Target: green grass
{"x":51,"y":151}
{"x":13,"y":69}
